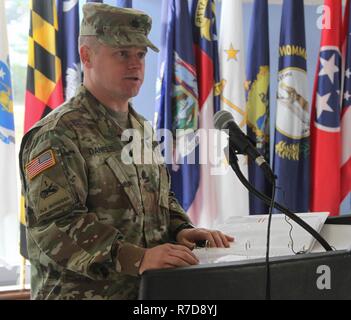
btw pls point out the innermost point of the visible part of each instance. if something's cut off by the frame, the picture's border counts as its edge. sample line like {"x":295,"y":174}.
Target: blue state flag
{"x":292,"y":129}
{"x":257,"y":96}
{"x":125,"y":3}
{"x":177,"y":100}
{"x":68,"y":15}
{"x":119,"y":3}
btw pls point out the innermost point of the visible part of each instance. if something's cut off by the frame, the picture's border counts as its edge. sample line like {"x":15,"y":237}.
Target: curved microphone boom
{"x":240,"y":143}
{"x":223,"y":120}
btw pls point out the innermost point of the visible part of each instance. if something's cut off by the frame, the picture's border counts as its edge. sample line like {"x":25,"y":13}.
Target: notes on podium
{"x":250,"y":233}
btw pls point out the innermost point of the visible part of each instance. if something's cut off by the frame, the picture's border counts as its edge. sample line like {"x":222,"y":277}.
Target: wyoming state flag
{"x":325,"y":117}
{"x":292,"y":130}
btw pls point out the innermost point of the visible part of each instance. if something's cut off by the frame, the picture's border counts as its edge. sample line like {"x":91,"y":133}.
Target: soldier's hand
{"x":167,"y":256}
{"x":216,"y":238}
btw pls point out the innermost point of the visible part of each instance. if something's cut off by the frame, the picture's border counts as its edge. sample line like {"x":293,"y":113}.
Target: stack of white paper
{"x":250,"y":233}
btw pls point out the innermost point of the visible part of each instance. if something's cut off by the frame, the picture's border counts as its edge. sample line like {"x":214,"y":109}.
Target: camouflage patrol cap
{"x":116,"y":27}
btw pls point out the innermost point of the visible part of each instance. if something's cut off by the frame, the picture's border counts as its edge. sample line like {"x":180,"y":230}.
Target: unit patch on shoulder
{"x":52,"y":197}
{"x":39,"y":164}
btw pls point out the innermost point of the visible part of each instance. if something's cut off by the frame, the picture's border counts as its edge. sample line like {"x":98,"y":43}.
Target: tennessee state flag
{"x":325,"y":118}
{"x":346,"y":111}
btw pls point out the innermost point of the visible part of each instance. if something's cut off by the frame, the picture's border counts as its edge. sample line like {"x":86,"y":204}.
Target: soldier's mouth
{"x":133,"y":78}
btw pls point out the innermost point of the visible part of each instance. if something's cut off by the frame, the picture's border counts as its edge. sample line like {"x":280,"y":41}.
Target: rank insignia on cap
{"x":39,"y":164}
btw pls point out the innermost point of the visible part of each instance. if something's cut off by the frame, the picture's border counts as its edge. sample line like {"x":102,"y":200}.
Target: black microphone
{"x":223,"y":120}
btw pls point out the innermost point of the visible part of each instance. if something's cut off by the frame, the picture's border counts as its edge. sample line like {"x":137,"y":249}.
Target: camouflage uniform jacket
{"x":89,"y":215}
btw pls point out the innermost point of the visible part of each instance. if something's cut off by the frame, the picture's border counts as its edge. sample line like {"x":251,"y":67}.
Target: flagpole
{"x":23,"y":274}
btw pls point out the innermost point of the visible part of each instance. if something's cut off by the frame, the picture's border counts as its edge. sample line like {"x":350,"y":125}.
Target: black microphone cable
{"x":233,"y":161}
{"x":267,"y":200}
{"x":268,"y":271}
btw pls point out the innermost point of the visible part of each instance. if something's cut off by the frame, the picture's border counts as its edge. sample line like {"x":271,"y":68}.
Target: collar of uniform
{"x":99,"y":113}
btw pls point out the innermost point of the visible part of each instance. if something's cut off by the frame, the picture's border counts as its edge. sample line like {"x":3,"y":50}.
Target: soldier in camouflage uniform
{"x":95,"y":223}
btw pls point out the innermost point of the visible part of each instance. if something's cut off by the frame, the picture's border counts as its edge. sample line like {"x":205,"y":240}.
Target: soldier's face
{"x":119,"y":72}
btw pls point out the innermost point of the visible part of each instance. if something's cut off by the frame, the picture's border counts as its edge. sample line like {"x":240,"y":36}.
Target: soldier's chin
{"x":134,"y":93}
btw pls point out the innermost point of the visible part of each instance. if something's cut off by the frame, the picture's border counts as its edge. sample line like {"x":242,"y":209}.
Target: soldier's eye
{"x":142,"y":54}
{"x":122,"y":54}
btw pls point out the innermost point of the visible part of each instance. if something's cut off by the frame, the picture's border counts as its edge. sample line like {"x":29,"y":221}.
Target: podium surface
{"x":324,"y":275}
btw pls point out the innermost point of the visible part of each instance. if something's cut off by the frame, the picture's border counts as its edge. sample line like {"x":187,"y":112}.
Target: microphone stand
{"x":233,"y":161}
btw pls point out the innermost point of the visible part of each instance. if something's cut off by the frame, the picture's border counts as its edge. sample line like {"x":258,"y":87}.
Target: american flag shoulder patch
{"x":39,"y":164}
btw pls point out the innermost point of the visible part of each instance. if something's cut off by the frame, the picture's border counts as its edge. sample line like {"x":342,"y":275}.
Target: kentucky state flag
{"x":292,"y":129}
{"x":177,"y":100}
{"x":257,"y":86}
{"x":325,"y":117}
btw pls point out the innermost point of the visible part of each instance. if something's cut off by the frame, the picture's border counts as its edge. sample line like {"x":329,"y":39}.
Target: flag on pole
{"x":125,"y":3}
{"x":204,"y":210}
{"x":68,"y":14}
{"x":346,"y":111}
{"x":44,"y":74}
{"x":232,"y":195}
{"x":8,"y":194}
{"x":257,"y":108}
{"x":119,"y":3}
{"x":177,"y":99}
{"x":292,"y":129}
{"x":325,"y":117}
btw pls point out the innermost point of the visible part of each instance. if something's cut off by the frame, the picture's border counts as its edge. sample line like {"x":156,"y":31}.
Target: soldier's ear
{"x":86,"y":56}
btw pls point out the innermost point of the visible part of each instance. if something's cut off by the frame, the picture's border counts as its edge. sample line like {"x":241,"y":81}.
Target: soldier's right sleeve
{"x":55,"y":184}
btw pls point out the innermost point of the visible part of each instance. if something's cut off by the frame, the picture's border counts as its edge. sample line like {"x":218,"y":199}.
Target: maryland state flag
{"x":292,"y":131}
{"x":44,"y":80}
{"x":44,"y":76}
{"x":325,"y":117}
